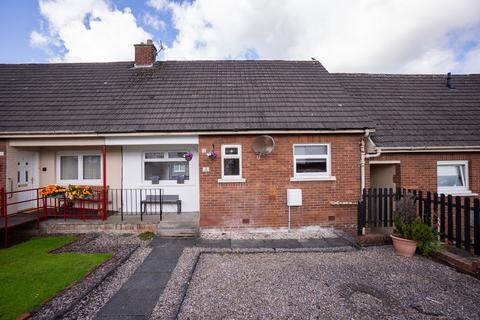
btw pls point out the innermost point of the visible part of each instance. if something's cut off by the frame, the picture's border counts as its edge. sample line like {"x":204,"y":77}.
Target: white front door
{"x":27,"y":178}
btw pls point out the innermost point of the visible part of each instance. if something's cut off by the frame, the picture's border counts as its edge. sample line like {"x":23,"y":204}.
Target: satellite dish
{"x":263,"y":145}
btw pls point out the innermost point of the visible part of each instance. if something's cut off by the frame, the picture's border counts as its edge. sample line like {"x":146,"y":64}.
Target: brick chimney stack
{"x":145,"y":54}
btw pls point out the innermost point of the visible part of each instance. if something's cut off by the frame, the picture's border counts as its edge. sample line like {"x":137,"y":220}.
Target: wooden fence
{"x":457,"y":219}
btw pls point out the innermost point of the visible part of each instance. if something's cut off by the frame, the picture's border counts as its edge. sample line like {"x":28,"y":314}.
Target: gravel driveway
{"x":373,"y":283}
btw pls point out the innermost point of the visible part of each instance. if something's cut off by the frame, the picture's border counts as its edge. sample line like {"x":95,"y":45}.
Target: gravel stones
{"x":71,"y":300}
{"x":371,"y":283}
{"x":88,"y":307}
{"x":312,"y":232}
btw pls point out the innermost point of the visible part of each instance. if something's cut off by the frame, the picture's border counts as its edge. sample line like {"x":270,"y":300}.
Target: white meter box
{"x":294,"y":197}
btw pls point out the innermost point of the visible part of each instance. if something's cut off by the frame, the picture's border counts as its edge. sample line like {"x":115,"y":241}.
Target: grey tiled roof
{"x":419,"y":110}
{"x":175,"y":96}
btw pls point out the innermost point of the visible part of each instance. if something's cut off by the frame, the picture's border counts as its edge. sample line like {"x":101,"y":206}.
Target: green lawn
{"x":29,"y":275}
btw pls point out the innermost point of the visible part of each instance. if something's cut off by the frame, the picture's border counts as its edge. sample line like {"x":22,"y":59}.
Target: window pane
{"x":176,"y":154}
{"x":231,"y":167}
{"x":311,"y":165}
{"x":91,"y":167}
{"x":310,"y":150}
{"x":451,"y":175}
{"x":232,"y":150}
{"x":166,"y":170}
{"x":154,"y":155}
{"x":68,"y":167}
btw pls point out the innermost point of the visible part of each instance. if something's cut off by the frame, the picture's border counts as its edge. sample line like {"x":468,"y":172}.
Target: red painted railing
{"x":47,"y":207}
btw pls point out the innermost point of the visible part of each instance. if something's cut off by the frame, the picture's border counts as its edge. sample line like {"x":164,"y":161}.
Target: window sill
{"x":186,"y":184}
{"x":331,"y":178}
{"x":459,"y":193}
{"x":236,"y":180}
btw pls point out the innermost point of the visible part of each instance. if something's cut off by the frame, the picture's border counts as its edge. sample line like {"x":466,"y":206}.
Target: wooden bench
{"x":157,"y":199}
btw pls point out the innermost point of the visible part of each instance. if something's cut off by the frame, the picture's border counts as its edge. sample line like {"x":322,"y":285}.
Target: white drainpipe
{"x":364,"y":156}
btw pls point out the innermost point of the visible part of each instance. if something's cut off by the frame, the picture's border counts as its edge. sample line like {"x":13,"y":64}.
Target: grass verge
{"x":29,"y":274}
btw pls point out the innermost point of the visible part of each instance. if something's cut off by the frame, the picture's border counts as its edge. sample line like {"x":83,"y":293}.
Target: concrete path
{"x":138,"y":296}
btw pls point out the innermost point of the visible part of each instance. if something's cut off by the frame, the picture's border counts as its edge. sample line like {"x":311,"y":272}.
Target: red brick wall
{"x":145,"y":54}
{"x":262,"y":198}
{"x":419,"y":170}
{"x":3,"y":163}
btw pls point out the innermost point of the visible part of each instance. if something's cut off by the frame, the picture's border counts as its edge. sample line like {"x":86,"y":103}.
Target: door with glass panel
{"x":27,"y":179}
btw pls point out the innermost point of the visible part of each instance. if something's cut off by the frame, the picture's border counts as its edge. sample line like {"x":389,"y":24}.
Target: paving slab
{"x":140,"y":293}
{"x":148,"y":280}
{"x":209,"y":243}
{"x":338,"y":242}
{"x":313,"y":243}
{"x":122,"y":317}
{"x":131,"y":302}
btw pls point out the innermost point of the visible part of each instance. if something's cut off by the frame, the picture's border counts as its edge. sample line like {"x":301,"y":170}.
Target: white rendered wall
{"x":133,"y":175}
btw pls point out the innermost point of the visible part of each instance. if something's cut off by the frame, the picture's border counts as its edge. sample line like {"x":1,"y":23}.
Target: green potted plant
{"x":410,"y":232}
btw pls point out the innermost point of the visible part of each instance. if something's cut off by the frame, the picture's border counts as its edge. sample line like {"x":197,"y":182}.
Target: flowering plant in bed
{"x":79,"y":192}
{"x":53,"y":191}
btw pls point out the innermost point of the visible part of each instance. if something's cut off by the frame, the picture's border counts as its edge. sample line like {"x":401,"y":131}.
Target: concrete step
{"x":178,"y":224}
{"x":178,"y":232}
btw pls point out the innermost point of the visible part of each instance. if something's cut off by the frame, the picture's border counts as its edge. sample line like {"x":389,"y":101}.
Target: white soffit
{"x":165,"y":140}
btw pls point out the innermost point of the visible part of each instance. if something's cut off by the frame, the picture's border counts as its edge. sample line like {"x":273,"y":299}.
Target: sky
{"x":375,"y":36}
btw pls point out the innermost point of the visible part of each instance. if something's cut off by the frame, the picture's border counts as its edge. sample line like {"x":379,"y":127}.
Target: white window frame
{"x":232,"y":156}
{"x":164,"y":159}
{"x":455,"y":190}
{"x":312,"y":175}
{"x":80,"y":155}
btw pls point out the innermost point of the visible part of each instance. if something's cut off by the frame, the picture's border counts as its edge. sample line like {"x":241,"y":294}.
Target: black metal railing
{"x":457,"y":219}
{"x":132,"y":202}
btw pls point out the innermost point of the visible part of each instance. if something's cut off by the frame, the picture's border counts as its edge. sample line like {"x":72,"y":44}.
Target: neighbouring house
{"x":127,"y":126}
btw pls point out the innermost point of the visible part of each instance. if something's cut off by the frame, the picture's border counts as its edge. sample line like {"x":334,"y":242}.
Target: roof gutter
{"x":431,"y":149}
{"x":89,"y":134}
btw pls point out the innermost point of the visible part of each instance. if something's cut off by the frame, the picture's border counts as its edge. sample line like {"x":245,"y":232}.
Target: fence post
{"x":476,"y":226}
{"x":385,"y":207}
{"x":420,"y":205}
{"x":2,"y":196}
{"x":450,"y":217}
{"x":369,"y":206}
{"x":361,"y":218}
{"x":5,"y":215}
{"x":458,"y":222}
{"x":466,"y":220}
{"x":442,"y":217}
{"x":104,"y":180}
{"x":390,"y":205}
{"x":428,"y":208}
{"x":380,"y":207}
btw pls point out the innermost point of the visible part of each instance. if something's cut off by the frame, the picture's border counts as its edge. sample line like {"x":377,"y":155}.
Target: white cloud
{"x":154,"y":22}
{"x":345,"y":35}
{"x":89,"y":30}
{"x":37,"y":39}
{"x":158,"y":4}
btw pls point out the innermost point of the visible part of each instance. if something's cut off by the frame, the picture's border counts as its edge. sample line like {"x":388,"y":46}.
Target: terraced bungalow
{"x":229,"y":144}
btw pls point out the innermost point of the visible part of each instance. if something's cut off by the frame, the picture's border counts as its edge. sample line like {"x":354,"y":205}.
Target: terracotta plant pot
{"x":404,"y":247}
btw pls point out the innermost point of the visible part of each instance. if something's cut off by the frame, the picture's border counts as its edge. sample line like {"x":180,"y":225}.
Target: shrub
{"x":409,"y":226}
{"x":145,"y":236}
